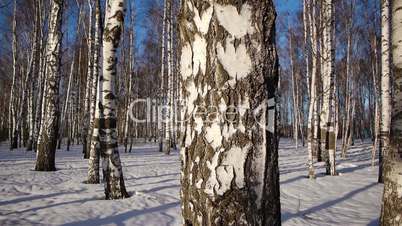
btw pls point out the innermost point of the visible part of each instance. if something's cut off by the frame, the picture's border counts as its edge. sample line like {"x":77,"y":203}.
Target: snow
{"x":152,"y":178}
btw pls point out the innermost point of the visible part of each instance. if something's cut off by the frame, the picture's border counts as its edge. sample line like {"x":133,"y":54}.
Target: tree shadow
{"x":353,"y":168}
{"x":56,"y":204}
{"x":156,"y":176}
{"x":157,"y":182}
{"x":374,"y":222}
{"x":161,"y":188}
{"x":287,"y":216}
{"x":32,"y":198}
{"x":120,"y":218}
{"x":301,"y":177}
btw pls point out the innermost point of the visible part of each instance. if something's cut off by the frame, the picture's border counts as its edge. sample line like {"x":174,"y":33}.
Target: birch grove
{"x":222,"y":88}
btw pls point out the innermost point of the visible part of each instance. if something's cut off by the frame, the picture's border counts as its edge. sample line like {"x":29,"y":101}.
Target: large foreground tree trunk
{"x":107,"y":120}
{"x":229,"y":72}
{"x":392,"y":206}
{"x":47,"y":141}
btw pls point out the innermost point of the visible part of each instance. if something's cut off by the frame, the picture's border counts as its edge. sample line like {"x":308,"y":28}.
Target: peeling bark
{"x":229,"y":76}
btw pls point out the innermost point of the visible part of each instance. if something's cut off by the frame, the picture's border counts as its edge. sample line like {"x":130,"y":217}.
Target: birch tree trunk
{"x":47,"y":142}
{"x":167,"y":142}
{"x":229,"y":73}
{"x":130,"y":73}
{"x":106,"y":119}
{"x":94,"y":148}
{"x":385,"y":83}
{"x":89,"y":84}
{"x":392,"y":199}
{"x":307,"y":34}
{"x":294,"y":93}
{"x":328,"y":79}
{"x":162,"y":117}
{"x":376,"y":101}
{"x":347,"y":132}
{"x":12,"y":132}
{"x":35,"y":70}
{"x":312,"y":116}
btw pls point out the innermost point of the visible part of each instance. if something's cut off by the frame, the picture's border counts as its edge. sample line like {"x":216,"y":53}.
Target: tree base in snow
{"x":166,"y":147}
{"x":46,"y":155}
{"x":29,"y":145}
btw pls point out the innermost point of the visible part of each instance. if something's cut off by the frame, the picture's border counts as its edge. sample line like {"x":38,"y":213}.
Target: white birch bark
{"x":312,"y":116}
{"x":294,"y":92}
{"x":94,"y":148}
{"x":12,"y":132}
{"x":229,"y":159}
{"x":392,"y":198}
{"x":34,"y":83}
{"x":307,"y":35}
{"x":106,"y":119}
{"x":50,"y":122}
{"x":347,"y":133}
{"x":127,"y":123}
{"x":385,"y":83}
{"x":328,"y":79}
{"x":167,"y":143}
{"x":89,"y":83}
{"x":162,"y":118}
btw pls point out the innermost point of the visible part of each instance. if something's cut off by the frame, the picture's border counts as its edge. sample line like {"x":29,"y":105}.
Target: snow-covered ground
{"x":60,"y":198}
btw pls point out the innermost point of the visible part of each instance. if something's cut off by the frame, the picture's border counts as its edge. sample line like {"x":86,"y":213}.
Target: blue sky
{"x":141,"y":7}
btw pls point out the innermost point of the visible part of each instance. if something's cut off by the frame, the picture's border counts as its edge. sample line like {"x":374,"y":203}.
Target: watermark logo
{"x":163,"y":111}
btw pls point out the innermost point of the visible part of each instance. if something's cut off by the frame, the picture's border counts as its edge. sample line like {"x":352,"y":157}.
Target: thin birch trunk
{"x":349,"y":87}
{"x":162,"y":117}
{"x":328,"y":78}
{"x":106,"y":118}
{"x":34,"y":83}
{"x":50,"y":123}
{"x":294,"y":92}
{"x":89,"y":84}
{"x":376,"y":101}
{"x":12,"y":132}
{"x":127,"y":123}
{"x":385,"y":83}
{"x":312,"y":116}
{"x":94,"y":148}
